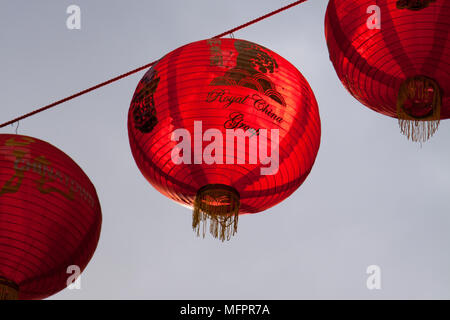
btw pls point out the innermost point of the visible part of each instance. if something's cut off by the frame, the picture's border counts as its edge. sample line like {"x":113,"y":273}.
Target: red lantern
{"x":50,"y":218}
{"x":201,"y":94}
{"x":394,"y":57}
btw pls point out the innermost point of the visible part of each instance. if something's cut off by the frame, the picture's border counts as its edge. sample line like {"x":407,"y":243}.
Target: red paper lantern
{"x":394,"y":57}
{"x":203,"y":91}
{"x":50,"y":218}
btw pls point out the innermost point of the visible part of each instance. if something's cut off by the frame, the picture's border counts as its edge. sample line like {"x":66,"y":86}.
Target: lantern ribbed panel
{"x":373,"y":63}
{"x":178,"y":87}
{"x":50,"y":216}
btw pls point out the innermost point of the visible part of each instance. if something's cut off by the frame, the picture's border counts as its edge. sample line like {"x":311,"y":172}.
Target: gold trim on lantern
{"x":219,"y":204}
{"x":8,"y":290}
{"x":419,"y":128}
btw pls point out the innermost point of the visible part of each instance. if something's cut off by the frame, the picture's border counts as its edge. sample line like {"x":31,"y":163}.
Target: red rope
{"x":54,"y":104}
{"x":260,"y":18}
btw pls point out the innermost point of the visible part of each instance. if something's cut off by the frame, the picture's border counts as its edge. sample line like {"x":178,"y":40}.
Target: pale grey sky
{"x":372,"y":197}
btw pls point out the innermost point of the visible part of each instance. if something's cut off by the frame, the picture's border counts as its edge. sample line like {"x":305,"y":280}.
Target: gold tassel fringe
{"x":418,"y":130}
{"x":8,"y":290}
{"x":220,"y":205}
{"x":424,"y":91}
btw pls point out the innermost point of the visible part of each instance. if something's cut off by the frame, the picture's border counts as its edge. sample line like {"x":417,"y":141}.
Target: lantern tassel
{"x":417,"y":130}
{"x":8,"y":290}
{"x":220,"y":205}
{"x":419,"y":105}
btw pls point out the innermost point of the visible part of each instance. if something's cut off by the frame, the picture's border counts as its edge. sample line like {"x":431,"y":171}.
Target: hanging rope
{"x":245,"y":25}
{"x":56,"y":103}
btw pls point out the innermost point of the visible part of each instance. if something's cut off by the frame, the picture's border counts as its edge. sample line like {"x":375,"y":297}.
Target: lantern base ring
{"x":8,"y":290}
{"x":419,"y":104}
{"x":219,"y":204}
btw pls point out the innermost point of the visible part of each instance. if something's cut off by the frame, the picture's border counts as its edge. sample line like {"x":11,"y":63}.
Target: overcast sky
{"x":372,"y":198}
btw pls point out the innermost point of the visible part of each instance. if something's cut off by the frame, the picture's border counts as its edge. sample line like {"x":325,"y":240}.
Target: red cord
{"x":54,"y":104}
{"x":260,"y":18}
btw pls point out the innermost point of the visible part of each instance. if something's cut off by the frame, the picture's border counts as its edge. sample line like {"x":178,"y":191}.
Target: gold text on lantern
{"x":227,"y":100}
{"x":236,"y":121}
{"x":41,"y":166}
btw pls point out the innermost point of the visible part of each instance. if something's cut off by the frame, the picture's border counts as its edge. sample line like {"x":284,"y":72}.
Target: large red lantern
{"x":394,"y":57}
{"x":225,"y":126}
{"x":50,"y":218}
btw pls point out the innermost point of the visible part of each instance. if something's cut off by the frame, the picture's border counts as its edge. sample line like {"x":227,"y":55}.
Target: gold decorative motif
{"x":39,"y":165}
{"x":220,"y":205}
{"x":13,"y":184}
{"x":414,"y":5}
{"x":216,"y":58}
{"x":13,"y":142}
{"x":41,"y":183}
{"x":144,"y":112}
{"x":252,"y":63}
